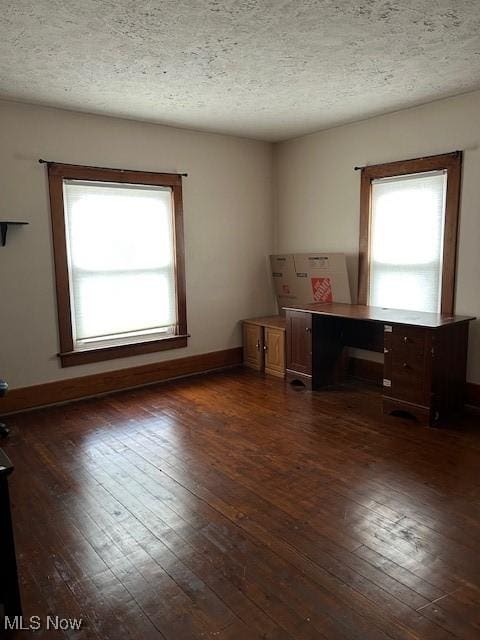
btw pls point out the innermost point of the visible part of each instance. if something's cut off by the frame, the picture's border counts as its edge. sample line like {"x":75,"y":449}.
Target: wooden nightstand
{"x":264,"y":344}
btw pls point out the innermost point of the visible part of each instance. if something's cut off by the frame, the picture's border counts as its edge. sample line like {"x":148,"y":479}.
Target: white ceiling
{"x":270,"y":69}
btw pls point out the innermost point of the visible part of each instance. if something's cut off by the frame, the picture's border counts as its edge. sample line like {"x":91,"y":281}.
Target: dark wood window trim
{"x":57,"y":173}
{"x":452,"y":163}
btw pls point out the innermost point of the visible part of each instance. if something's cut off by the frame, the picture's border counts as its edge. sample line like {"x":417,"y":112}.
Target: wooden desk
{"x":10,"y":604}
{"x":425,"y":354}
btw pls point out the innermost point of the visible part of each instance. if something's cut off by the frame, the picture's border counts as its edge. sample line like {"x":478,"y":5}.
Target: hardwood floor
{"x":231,"y":506}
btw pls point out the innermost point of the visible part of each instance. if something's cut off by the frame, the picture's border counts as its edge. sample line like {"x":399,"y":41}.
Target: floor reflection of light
{"x":391,"y":523}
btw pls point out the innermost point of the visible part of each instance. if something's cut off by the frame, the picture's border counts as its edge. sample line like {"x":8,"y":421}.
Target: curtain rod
{"x":42,"y":161}
{"x":450,"y":153}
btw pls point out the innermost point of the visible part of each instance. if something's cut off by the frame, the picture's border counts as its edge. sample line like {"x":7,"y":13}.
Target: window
{"x":118,"y":243}
{"x":408,"y":234}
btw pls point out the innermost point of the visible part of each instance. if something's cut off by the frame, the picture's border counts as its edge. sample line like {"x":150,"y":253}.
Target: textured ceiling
{"x":269,"y":69}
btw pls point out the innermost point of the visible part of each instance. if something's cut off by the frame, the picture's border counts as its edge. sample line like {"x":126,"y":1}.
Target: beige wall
{"x":232,"y":218}
{"x":317,"y":196}
{"x":228,"y":229}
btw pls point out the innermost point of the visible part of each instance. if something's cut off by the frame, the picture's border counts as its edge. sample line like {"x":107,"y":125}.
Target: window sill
{"x":73,"y":358}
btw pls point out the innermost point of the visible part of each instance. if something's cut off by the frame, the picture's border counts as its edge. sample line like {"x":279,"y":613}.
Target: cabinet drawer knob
{"x":258,"y":345}
{"x":405,"y":365}
{"x":265,"y":347}
{"x":405,"y":339}
{"x":308,"y":330}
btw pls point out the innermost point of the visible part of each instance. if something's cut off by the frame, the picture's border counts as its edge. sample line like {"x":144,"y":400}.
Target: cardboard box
{"x":304,"y":278}
{"x":284,"y":278}
{"x":322,"y":277}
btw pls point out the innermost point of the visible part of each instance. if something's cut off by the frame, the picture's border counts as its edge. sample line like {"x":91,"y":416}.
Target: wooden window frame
{"x":452,"y":164}
{"x":57,"y":173}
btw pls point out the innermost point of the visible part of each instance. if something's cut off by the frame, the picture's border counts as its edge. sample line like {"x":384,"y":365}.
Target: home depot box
{"x":322,"y":277}
{"x":310,"y":277}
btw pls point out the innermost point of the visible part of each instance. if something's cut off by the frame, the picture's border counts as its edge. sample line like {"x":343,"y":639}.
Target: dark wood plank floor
{"x":230,"y":506}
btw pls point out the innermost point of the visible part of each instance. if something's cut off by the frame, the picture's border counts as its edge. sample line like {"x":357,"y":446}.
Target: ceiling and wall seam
{"x":269,"y":70}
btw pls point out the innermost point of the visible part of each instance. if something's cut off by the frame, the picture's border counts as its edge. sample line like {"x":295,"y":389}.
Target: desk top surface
{"x":275,"y":322}
{"x":378,"y":314}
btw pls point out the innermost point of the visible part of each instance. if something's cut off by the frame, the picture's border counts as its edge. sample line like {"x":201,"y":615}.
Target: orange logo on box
{"x":286,"y":289}
{"x":322,"y":289}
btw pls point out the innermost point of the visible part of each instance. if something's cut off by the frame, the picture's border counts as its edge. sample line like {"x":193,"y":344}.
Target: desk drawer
{"x":409,"y":383}
{"x":407,"y":364}
{"x":408,"y":341}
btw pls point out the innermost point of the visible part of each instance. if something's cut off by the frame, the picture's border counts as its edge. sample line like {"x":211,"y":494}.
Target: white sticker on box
{"x":387,"y":382}
{"x":319,"y":263}
{"x":387,"y":328}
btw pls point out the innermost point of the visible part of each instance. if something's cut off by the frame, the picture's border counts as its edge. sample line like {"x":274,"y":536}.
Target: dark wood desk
{"x":10,"y":604}
{"x":425,"y":354}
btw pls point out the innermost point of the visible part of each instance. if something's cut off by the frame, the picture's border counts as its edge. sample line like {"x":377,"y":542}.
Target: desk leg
{"x":9,"y":589}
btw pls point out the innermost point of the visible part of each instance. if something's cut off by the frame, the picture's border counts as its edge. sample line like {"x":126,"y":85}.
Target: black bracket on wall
{"x":3,"y":230}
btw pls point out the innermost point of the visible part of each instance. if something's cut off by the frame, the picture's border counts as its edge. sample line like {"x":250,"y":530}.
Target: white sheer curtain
{"x":120,"y":243}
{"x":407,"y":225}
